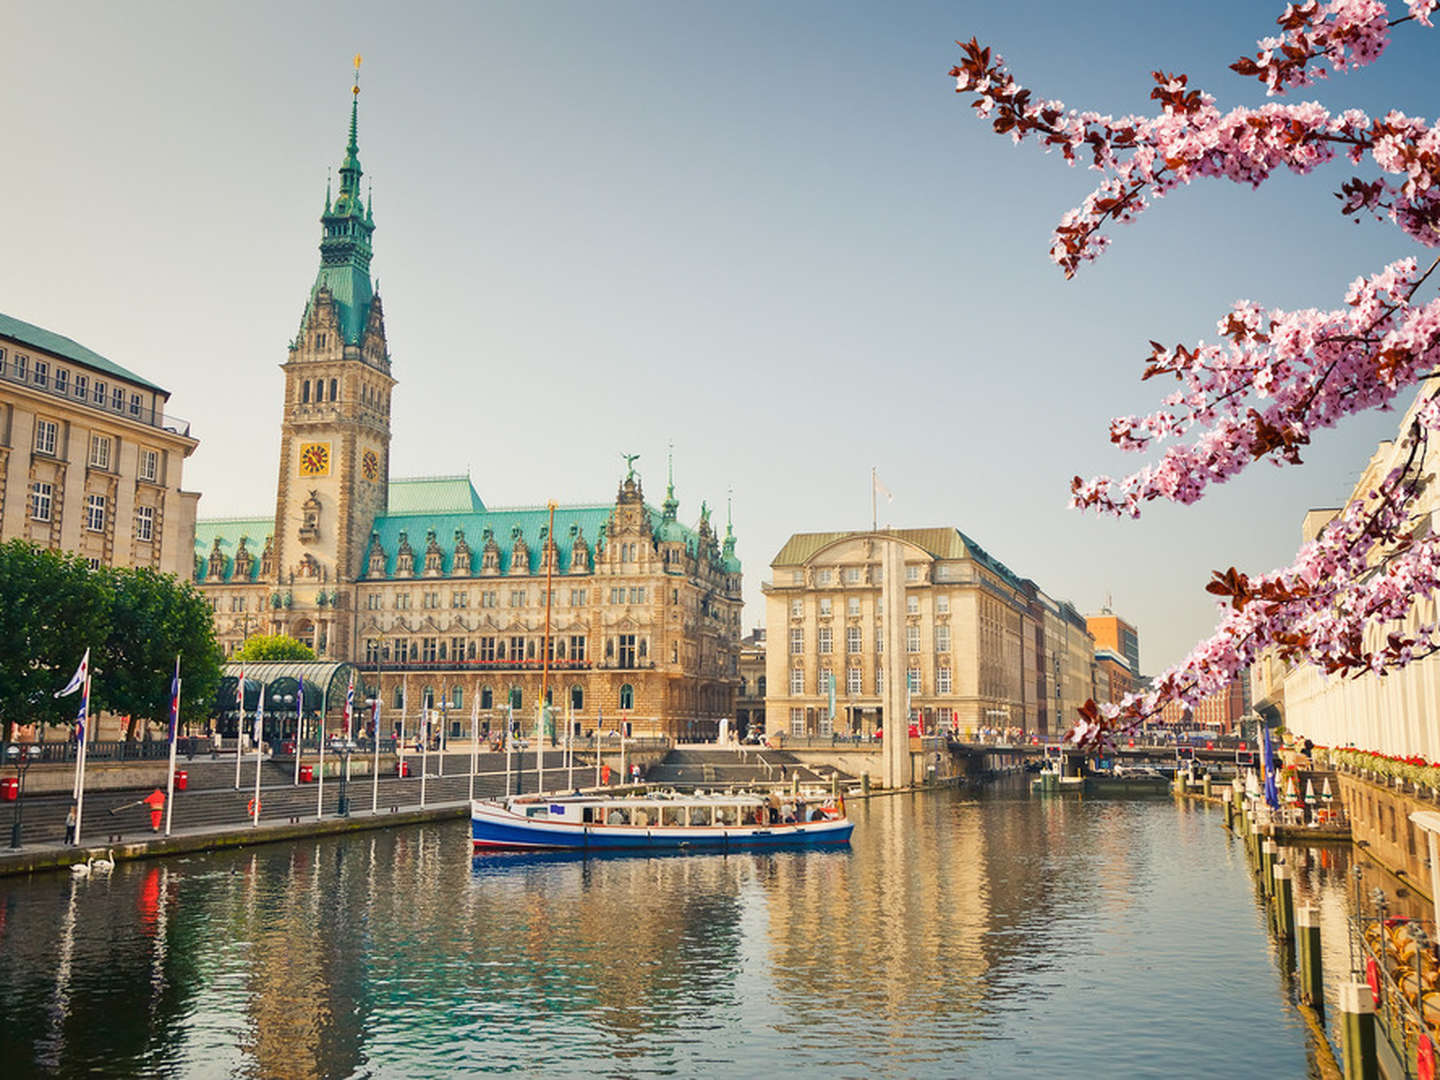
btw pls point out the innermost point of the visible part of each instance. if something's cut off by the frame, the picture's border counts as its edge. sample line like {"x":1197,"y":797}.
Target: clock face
{"x":315,"y":459}
{"x":370,"y":464}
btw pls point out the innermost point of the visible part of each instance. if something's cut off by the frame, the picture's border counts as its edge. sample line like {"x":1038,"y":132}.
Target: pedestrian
{"x":70,"y":825}
{"x":156,"y":802}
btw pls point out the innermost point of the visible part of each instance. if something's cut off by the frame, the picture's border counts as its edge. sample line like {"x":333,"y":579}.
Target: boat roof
{"x":671,"y":798}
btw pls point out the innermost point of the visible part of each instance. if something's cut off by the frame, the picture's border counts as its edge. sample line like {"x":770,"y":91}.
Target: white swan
{"x":82,"y":869}
{"x":105,"y":865}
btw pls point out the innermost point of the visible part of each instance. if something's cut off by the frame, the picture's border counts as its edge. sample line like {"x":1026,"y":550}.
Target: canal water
{"x":978,"y":934}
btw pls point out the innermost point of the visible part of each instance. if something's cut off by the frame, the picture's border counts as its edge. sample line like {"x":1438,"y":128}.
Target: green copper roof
{"x":434,"y":495}
{"x":57,"y":345}
{"x":504,"y":525}
{"x":345,"y":243}
{"x":229,"y":532}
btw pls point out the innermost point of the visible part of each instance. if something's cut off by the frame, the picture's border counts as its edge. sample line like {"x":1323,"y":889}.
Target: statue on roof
{"x":630,"y":460}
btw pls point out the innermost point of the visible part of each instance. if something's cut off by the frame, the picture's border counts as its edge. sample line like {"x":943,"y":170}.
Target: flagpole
{"x":375,"y":769}
{"x":424,"y":746}
{"x":874,"y":512}
{"x":540,"y":749}
{"x":509,"y":743}
{"x":570,"y":746}
{"x":174,"y":728}
{"x":299,"y":725}
{"x":474,"y":744}
{"x":239,"y":723}
{"x":599,"y":731}
{"x":259,"y":739}
{"x":84,"y":744}
{"x":444,"y":727}
{"x":320,"y":767}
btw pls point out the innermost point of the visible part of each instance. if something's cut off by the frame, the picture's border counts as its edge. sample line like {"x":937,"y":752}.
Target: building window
{"x":912,"y":605}
{"x":93,"y":563}
{"x":372,"y":601}
{"x":577,"y":698}
{"x":117,"y":399}
{"x":149,"y":465}
{"x":577,"y":647}
{"x":134,"y":404}
{"x":627,"y":696}
{"x":517,"y":597}
{"x":637,"y":595}
{"x":22,"y":367}
{"x":824,"y":642}
{"x":577,"y":598}
{"x":852,"y":680}
{"x":879,"y":680}
{"x":852,"y":575}
{"x":46,"y":434}
{"x":97,"y":392}
{"x":879,"y":638}
{"x":402,"y":601}
{"x":100,"y":451}
{"x":942,"y":639}
{"x":913,"y":680}
{"x":457,"y":696}
{"x":305,"y":392}
{"x":95,"y":513}
{"x":825,"y":606}
{"x":912,"y":639}
{"x":62,"y":380}
{"x":429,"y":650}
{"x":797,"y":721}
{"x":627,"y":651}
{"x":852,"y":640}
{"x":41,"y":496}
{"x":490,"y":598}
{"x":460,"y":600}
{"x":797,"y":640}
{"x":797,"y":608}
{"x":912,"y":573}
{"x":487,"y":698}
{"x":942,"y":680}
{"x":942,"y":604}
{"x":144,"y":523}
{"x":82,"y":386}
{"x":797,"y":680}
{"x":430,"y":600}
{"x":617,"y":596}
{"x":42,"y":373}
{"x":334,"y":390}
{"x":824,"y":577}
{"x":852,"y":605}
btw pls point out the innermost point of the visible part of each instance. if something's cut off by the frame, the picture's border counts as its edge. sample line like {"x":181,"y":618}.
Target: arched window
{"x":427,"y":698}
{"x":319,"y":389}
{"x":305,"y":393}
{"x":517,"y":697}
{"x":549,"y":695}
{"x":760,"y":686}
{"x":577,"y":697}
{"x":399,"y":698}
{"x":334,"y":390}
{"x":487,"y":698}
{"x":627,"y":696}
{"x":457,"y":696}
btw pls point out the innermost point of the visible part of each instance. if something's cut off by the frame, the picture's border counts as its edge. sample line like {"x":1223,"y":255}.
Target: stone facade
{"x":89,"y":462}
{"x":984,"y":648}
{"x":616,"y":609}
{"x":750,"y":700}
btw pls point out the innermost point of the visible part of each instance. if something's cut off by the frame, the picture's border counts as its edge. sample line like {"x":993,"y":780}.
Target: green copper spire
{"x":345,"y":242}
{"x":671,"y":504}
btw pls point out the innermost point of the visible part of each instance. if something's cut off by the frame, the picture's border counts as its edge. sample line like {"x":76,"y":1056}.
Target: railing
{"x":150,"y":417}
{"x":381,"y":667}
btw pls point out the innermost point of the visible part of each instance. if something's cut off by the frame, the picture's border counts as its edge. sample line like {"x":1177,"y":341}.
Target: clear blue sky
{"x":771,"y":233}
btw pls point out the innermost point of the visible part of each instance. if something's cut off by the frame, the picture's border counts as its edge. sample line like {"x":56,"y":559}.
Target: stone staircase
{"x":742,"y":767}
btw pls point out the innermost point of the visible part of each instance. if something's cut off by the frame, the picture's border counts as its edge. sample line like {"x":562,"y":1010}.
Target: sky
{"x":771,"y":235}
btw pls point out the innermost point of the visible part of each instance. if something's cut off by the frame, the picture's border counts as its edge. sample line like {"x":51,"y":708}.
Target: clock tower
{"x":335,"y":433}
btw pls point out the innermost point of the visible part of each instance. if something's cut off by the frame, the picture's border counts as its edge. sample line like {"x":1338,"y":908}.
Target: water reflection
{"x":998,"y":935}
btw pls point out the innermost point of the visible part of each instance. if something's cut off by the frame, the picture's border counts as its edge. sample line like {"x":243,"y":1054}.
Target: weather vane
{"x":355,"y":89}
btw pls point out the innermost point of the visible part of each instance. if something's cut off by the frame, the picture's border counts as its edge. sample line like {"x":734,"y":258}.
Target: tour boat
{"x":655,"y":821}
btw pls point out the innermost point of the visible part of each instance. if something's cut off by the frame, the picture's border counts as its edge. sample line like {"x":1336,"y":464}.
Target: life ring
{"x":252,"y":807}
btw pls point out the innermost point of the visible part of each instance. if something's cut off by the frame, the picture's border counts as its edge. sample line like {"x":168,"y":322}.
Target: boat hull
{"x":503,"y":832}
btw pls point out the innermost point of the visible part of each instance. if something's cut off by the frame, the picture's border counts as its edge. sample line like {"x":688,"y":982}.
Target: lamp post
{"x":21,"y":758}
{"x":343,"y":747}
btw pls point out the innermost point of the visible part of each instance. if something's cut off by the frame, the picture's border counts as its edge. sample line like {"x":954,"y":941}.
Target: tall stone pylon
{"x":896,"y":744}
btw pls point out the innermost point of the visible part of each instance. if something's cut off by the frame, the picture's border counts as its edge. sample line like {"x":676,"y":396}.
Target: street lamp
{"x":343,"y":747}
{"x":21,"y":758}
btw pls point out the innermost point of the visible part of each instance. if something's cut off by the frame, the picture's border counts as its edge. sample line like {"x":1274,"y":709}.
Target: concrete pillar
{"x":1267,"y":866}
{"x":1284,"y":901}
{"x":1206,"y":788}
{"x":1357,"y":1032}
{"x":896,"y":743}
{"x":1307,"y":940}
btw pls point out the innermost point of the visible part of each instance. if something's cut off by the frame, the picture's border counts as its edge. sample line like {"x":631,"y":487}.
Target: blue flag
{"x":175,"y":700}
{"x":1267,"y":761}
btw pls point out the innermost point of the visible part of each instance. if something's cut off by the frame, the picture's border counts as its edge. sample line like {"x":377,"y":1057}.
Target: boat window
{"x":699,"y":815}
{"x":672,"y":815}
{"x":726,"y":815}
{"x":642,"y":816}
{"x":617,"y":816}
{"x":587,"y":815}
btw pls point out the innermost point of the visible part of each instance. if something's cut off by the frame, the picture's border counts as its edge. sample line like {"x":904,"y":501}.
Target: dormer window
{"x":319,"y":341}
{"x":217,"y":562}
{"x":377,"y":556}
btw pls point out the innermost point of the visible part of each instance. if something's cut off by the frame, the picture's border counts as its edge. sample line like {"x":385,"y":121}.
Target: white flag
{"x":78,"y":680}
{"x":881,"y":489}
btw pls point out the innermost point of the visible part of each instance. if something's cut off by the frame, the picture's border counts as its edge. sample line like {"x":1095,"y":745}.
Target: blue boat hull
{"x":489,"y":834}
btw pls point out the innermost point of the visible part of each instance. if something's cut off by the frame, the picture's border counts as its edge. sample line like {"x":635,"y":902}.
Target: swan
{"x":105,"y":865}
{"x":82,"y":869}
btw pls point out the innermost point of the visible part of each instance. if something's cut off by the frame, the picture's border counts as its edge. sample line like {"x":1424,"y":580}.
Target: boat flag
{"x":82,"y":715}
{"x":77,"y":681}
{"x":260,"y":719}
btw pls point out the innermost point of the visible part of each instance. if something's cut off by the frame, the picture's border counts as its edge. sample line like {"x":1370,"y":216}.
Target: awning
{"x":325,"y":684}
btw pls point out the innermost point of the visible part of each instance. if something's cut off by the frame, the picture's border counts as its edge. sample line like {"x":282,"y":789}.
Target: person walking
{"x":70,"y":825}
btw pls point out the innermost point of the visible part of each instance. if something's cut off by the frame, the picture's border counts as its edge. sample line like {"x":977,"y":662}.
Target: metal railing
{"x":140,"y":414}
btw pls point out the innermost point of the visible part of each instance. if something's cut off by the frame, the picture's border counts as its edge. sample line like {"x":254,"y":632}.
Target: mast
{"x":550,"y":547}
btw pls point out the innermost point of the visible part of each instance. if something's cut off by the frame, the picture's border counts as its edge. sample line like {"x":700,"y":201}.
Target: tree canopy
{"x":263,"y":647}
{"x":134,"y":621}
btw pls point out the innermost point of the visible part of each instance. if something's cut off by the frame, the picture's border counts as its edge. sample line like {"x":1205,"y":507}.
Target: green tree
{"x":272,"y":647}
{"x":52,"y":608}
{"x":154,"y":618}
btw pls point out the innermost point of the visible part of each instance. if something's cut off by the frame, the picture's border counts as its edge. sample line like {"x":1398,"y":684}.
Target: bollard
{"x":1284,"y":901}
{"x":1179,"y":784}
{"x":1206,"y":786}
{"x":1357,"y":1032}
{"x":1312,"y":975}
{"x":1267,"y":866}
{"x":865,"y":784}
